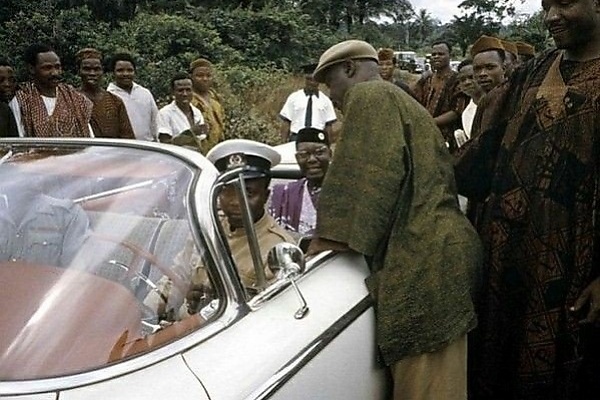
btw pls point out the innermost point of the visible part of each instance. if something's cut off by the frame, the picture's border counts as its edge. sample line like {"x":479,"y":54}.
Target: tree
{"x":465,"y":30}
{"x":423,"y":25}
{"x":480,"y":17}
{"x":530,"y":29}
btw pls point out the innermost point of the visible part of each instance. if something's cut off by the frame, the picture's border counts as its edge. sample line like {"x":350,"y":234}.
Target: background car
{"x":106,"y":220}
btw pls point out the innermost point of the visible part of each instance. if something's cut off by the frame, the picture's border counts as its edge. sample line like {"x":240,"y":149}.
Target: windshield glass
{"x":86,"y":233}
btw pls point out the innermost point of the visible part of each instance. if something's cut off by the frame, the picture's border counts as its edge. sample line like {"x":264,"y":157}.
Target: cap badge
{"x":236,"y":160}
{"x":321,"y":136}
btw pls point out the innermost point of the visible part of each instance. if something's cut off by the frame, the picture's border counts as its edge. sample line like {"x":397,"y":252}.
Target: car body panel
{"x":169,"y":379}
{"x":251,"y":348}
{"x":273,"y":336}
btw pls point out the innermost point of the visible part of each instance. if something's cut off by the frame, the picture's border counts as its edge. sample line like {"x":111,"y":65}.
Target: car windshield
{"x":86,"y":233}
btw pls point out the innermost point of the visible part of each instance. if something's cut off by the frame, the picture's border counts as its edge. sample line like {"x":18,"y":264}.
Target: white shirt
{"x":141,"y":110}
{"x":172,"y":121}
{"x":294,"y":110}
{"x":468,"y":116}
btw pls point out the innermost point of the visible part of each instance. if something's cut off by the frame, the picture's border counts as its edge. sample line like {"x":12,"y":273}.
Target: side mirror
{"x":287,"y":263}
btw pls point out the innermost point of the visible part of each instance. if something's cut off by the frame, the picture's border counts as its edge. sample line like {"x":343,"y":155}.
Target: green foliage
{"x":255,"y":44}
{"x":252,"y":99}
{"x":66,"y":30}
{"x":531,"y":30}
{"x":283,"y":37}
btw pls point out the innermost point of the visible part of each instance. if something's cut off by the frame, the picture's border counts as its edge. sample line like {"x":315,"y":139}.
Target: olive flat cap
{"x":486,"y":43}
{"x":347,"y":50}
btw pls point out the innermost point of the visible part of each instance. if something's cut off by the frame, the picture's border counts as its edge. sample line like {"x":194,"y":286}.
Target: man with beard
{"x":390,"y":195}
{"x":440,"y":95}
{"x":8,"y":87}
{"x":206,"y":99}
{"x":109,"y":116}
{"x":45,"y":107}
{"x":306,"y":108}
{"x":294,"y":205}
{"x":536,"y":162}
{"x":139,"y":101}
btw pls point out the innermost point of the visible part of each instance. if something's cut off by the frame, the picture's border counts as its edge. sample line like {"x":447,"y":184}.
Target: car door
{"x":327,"y":354}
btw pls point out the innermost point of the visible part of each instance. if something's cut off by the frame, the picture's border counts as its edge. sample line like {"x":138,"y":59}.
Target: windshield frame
{"x":205,"y":232}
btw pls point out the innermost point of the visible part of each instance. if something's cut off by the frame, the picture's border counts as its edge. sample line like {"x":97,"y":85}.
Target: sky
{"x":444,"y":10}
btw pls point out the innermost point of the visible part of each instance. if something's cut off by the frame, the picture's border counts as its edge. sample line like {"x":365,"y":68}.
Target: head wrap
{"x":486,"y":43}
{"x":525,"y":49}
{"x":87,"y":53}
{"x":200,"y":62}
{"x":385,"y":54}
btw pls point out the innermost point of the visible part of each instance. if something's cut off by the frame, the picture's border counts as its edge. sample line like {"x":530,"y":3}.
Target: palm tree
{"x":424,"y":24}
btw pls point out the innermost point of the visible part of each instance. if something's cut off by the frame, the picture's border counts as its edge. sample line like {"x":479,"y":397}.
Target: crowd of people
{"x":45,"y":106}
{"x":519,"y":299}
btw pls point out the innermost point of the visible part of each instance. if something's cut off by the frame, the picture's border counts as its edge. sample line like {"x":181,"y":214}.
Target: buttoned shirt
{"x":294,"y":110}
{"x":51,"y":232}
{"x":141,"y":109}
{"x":172,"y":121}
{"x":189,"y":266}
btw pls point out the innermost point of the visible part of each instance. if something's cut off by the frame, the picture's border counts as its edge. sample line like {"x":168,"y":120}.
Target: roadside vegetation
{"x":258,"y":46}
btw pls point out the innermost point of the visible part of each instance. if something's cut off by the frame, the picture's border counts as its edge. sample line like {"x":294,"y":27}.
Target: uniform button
{"x":45,"y":243}
{"x":13,"y":259}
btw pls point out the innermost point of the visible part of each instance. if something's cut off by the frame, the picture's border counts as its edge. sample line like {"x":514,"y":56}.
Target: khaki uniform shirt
{"x":190,"y":267}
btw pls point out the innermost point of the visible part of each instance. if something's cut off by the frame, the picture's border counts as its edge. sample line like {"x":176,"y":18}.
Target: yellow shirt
{"x":214,"y":116}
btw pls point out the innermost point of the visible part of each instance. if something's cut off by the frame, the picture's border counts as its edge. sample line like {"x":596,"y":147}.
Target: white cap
{"x":257,"y":157}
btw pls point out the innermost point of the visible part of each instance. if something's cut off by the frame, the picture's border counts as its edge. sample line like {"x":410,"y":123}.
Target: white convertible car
{"x":87,"y":229}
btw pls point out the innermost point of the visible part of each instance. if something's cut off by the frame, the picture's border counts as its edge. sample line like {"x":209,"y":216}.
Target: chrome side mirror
{"x":287,"y":263}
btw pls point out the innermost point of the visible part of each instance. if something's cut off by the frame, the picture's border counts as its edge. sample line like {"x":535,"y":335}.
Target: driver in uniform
{"x":257,"y":160}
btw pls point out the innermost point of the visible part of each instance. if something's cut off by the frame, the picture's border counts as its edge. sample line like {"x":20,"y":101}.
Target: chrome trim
{"x":285,"y":373}
{"x":204,"y":231}
{"x":281,"y":284}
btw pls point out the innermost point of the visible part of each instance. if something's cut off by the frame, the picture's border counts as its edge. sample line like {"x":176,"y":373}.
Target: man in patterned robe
{"x":109,"y":116}
{"x":536,"y":161}
{"x":440,"y":94}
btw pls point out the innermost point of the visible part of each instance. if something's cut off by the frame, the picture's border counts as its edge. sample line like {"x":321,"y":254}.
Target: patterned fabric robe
{"x":109,"y":118}
{"x":440,"y":100}
{"x":536,"y":163}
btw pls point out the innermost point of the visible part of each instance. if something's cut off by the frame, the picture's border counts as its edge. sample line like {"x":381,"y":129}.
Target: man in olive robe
{"x":390,"y":194}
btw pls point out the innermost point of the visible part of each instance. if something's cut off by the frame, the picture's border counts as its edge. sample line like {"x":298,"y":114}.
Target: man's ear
{"x":350,"y":67}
